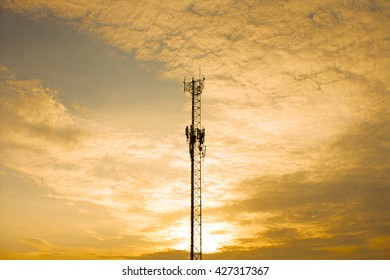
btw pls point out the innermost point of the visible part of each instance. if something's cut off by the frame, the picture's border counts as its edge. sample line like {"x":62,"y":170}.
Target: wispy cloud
{"x":83,"y":161}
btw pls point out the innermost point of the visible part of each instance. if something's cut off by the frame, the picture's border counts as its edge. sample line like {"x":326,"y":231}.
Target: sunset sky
{"x":94,"y":162}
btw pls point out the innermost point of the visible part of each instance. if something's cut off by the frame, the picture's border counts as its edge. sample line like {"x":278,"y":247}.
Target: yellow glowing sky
{"x":93,"y":158}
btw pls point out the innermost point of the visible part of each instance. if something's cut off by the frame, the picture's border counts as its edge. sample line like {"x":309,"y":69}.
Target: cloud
{"x":37,"y":224}
{"x":280,"y":62}
{"x":339,"y":210}
{"x":230,"y":37}
{"x":163,"y":255}
{"x":29,"y":106}
{"x":81,"y":161}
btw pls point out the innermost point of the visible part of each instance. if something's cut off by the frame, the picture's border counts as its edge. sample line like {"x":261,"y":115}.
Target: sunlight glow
{"x":214,"y":236}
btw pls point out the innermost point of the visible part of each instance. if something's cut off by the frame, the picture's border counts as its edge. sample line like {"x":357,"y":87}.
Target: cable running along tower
{"x":195,"y":134}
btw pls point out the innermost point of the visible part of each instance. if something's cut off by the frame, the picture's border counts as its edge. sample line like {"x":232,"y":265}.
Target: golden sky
{"x":94,"y":162}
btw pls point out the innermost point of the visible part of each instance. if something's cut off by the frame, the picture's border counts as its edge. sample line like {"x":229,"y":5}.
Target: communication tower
{"x":195,"y":134}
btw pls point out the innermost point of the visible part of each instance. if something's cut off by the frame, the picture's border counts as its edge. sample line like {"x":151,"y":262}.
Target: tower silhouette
{"x":195,"y":134}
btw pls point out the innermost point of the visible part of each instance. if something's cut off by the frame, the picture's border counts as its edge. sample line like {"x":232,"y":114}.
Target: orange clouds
{"x":80,"y":160}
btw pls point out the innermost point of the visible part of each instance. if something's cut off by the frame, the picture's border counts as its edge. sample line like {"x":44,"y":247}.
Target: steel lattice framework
{"x":195,"y":137}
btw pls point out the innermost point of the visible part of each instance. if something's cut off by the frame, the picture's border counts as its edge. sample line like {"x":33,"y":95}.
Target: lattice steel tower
{"x":195,"y":134}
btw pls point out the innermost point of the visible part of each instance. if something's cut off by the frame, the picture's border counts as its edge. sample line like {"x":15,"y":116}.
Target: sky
{"x":94,"y":162}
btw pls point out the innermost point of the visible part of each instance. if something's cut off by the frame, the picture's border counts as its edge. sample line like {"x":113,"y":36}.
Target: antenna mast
{"x":195,"y":138}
